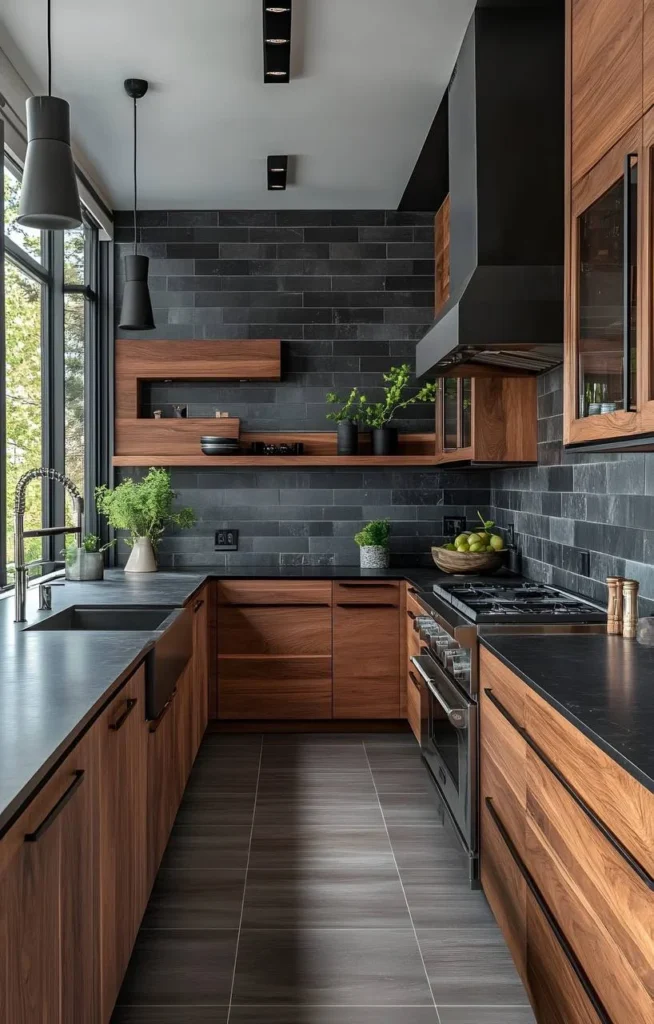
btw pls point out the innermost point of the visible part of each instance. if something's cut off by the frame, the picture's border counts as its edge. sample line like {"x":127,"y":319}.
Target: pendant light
{"x":136,"y":314}
{"x":49,"y":199}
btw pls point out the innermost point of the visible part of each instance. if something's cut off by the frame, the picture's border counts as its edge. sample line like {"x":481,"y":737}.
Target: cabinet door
{"x":271,"y":688}
{"x":201,"y":661}
{"x":648,"y":55}
{"x":123,"y":737}
{"x":454,"y":419}
{"x":366,"y":659}
{"x":163,"y":785}
{"x":606,"y":71}
{"x":602,"y":366}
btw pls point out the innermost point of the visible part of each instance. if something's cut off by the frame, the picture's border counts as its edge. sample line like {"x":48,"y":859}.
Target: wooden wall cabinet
{"x":442,"y":255}
{"x":490,"y":420}
{"x":567,"y":859}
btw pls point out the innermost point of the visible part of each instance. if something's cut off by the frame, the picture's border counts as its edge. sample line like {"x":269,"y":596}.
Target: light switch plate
{"x":226,"y":540}
{"x":453,"y":525}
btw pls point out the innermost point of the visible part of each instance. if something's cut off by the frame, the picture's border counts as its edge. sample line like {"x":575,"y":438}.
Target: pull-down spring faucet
{"x":21,"y":567}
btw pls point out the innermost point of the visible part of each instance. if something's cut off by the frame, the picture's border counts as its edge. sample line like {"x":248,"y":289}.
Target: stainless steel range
{"x":447,"y":673}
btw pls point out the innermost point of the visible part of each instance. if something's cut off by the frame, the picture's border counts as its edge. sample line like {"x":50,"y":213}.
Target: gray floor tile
{"x":170,"y":1015}
{"x":359,"y":812}
{"x":447,"y":904}
{"x":307,"y":785}
{"x":197,"y":849}
{"x":421,"y":847}
{"x":215,"y":809}
{"x":180,"y":968}
{"x":225,"y":775}
{"x":408,"y":780}
{"x":320,"y":846}
{"x":470,"y":966}
{"x":333,"y":1015}
{"x":486,"y":1015}
{"x":356,"y":897}
{"x":196,"y":899}
{"x":411,"y":808}
{"x":305,"y":754}
{"x":330,"y":967}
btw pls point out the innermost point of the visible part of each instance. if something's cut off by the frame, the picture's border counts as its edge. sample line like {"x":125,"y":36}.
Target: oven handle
{"x":458,"y":717}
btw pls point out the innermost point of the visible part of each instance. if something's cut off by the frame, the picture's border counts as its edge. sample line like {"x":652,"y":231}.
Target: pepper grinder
{"x":630,"y":608}
{"x":614,"y":610}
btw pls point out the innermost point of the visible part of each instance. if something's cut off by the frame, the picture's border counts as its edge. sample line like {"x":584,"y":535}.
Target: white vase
{"x":142,"y":557}
{"x":374,"y":556}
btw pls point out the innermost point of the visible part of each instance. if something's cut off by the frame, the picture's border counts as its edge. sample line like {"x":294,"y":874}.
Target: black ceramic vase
{"x":347,"y":434}
{"x":384,"y":440}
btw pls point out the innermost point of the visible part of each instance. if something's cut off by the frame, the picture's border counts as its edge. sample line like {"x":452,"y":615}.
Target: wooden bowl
{"x":478,"y":562}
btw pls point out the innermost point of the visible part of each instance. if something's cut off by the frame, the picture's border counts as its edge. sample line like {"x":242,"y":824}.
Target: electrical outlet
{"x":510,"y":535}
{"x":226,"y":540}
{"x":584,"y":562}
{"x":453,"y":525}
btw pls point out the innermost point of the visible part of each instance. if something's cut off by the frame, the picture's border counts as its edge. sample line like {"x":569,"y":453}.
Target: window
{"x":50,"y":317}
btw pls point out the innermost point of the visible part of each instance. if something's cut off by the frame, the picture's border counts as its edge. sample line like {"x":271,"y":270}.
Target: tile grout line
{"x":245,"y":882}
{"x":415,"y":934}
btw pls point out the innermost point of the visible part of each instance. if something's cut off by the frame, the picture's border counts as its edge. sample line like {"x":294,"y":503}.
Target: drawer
{"x":503,"y":769}
{"x":377,"y":592}
{"x":504,"y":888}
{"x":412,"y":641}
{"x":258,"y":629}
{"x":604,"y":905}
{"x":618,"y":800}
{"x":274,"y":592}
{"x":506,"y":686}
{"x":413,"y":702}
{"x":412,"y":605}
{"x":274,"y":688}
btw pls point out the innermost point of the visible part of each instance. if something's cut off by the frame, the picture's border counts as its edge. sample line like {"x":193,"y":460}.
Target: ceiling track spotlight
{"x":276,"y":42}
{"x":277,"y":167}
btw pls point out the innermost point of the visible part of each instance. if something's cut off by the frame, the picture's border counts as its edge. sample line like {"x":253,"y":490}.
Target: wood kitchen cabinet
{"x":567,"y":859}
{"x":412,"y":681}
{"x":366,"y":650}
{"x":442,"y":255}
{"x":202,"y":627}
{"x":123,"y":807}
{"x":605,"y":46}
{"x":164,"y":778}
{"x":49,"y":900}
{"x":486,"y":420}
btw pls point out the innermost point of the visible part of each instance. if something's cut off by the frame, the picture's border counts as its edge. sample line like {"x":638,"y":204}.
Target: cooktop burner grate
{"x":517,"y":601}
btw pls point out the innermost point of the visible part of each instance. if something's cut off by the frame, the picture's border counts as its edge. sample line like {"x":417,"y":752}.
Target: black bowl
{"x":219,"y":440}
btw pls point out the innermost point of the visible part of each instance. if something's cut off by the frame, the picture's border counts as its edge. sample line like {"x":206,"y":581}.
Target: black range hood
{"x":505,"y":137}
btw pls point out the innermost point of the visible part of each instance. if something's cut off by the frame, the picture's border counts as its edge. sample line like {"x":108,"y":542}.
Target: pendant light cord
{"x":49,"y":49}
{"x":135,"y":175}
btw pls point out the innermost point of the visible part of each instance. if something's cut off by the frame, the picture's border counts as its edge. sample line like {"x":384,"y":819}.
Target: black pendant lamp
{"x":136,"y":314}
{"x":49,"y":199}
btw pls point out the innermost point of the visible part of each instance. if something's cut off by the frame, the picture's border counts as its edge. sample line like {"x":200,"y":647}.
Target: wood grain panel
{"x":504,"y":419}
{"x":505,"y":684}
{"x":414,"y":702}
{"x":606,"y":909}
{"x":366,"y":661}
{"x":623,"y":805}
{"x":503,"y":771}
{"x":203,"y":663}
{"x":274,"y":688}
{"x":505,"y":889}
{"x":648,"y":55}
{"x":411,"y":604}
{"x":381,"y":592}
{"x":607,"y":76}
{"x":273,"y":592}
{"x":123,"y":830}
{"x":163,"y":789}
{"x":145,"y":437}
{"x":442,"y":255}
{"x":275,"y":630}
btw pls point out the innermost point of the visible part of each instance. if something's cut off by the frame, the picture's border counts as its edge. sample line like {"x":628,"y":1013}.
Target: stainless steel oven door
{"x":449,"y":745}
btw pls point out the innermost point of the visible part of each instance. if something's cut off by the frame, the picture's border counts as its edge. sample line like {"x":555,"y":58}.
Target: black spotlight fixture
{"x":277,"y":172}
{"x":276,"y":41}
{"x":49,"y":198}
{"x":136,"y":314}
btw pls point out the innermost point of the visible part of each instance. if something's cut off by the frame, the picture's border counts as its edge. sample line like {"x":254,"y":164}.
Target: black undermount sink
{"x":164,"y":662}
{"x":107,"y":617}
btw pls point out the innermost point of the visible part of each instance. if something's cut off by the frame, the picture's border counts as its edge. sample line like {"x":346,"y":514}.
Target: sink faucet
{"x":21,"y":567}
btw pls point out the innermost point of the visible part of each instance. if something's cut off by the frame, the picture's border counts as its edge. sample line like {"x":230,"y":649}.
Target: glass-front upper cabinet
{"x":609,"y":244}
{"x":454,"y":414}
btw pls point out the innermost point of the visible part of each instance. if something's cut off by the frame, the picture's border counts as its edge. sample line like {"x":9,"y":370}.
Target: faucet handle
{"x":45,"y":594}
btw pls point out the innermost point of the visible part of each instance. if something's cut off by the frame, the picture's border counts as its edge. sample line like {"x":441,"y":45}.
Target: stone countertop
{"x":603,"y":685}
{"x":53,"y":684}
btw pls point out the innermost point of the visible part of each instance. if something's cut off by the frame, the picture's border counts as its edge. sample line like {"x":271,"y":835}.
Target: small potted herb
{"x":86,"y":562}
{"x":145,"y":509}
{"x":378,"y":415}
{"x":346,"y":420}
{"x":374,"y":544}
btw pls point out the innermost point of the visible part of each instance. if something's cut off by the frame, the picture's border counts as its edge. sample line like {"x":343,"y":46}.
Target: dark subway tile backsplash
{"x":348,"y":293}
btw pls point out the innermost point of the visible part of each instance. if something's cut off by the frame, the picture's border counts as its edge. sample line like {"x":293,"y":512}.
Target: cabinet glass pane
{"x":466,"y":412}
{"x":602,"y":301}
{"x":450,"y":413}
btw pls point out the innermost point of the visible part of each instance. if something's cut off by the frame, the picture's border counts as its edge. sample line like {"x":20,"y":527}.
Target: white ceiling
{"x":368,"y":77}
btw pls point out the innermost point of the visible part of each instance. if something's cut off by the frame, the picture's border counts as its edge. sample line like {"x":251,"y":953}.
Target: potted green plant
{"x":346,"y":420}
{"x":374,"y":544}
{"x":145,"y":509}
{"x":378,"y":415}
{"x":86,"y":562}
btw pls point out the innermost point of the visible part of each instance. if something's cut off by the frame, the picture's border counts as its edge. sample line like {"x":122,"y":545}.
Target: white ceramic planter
{"x":142,"y":557}
{"x":374,"y":556}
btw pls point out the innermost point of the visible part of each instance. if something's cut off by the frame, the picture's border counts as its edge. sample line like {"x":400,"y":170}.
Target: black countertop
{"x":603,"y":685}
{"x":53,"y":684}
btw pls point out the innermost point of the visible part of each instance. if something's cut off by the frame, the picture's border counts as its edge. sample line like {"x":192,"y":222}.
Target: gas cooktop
{"x":517,"y":600}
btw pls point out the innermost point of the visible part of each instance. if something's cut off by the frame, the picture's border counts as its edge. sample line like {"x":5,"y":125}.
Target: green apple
{"x":483,"y":536}
{"x":497,"y":543}
{"x":476,"y":547}
{"x":462,"y":547}
{"x":461,"y":539}
{"x":474,"y":538}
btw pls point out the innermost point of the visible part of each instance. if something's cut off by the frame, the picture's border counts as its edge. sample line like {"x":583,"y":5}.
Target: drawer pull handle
{"x":78,"y":779}
{"x":361,"y":604}
{"x":281,"y":604}
{"x":415,"y":681}
{"x":361,"y":584}
{"x":610,"y":836}
{"x":130,"y":704}
{"x":198,"y":604}
{"x":156,"y":722}
{"x":567,"y":949}
{"x":411,"y":615}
